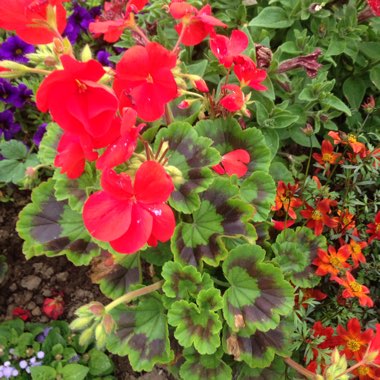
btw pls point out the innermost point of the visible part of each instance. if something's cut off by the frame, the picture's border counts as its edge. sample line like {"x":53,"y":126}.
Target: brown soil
{"x":29,"y":282}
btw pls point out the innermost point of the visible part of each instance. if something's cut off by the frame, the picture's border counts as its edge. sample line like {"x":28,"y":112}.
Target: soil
{"x":29,"y":282}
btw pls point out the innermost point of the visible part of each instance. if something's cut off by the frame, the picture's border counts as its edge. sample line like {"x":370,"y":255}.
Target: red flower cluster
{"x":129,"y":216}
{"x":32,"y":19}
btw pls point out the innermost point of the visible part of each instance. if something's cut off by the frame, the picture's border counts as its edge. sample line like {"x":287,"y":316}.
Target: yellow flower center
{"x":356,"y":248}
{"x":335,"y":262}
{"x":355,"y":286}
{"x":352,"y":138}
{"x":377,"y":229}
{"x":316,"y":215}
{"x":353,"y":345}
{"x":362,"y":371}
{"x":327,"y":157}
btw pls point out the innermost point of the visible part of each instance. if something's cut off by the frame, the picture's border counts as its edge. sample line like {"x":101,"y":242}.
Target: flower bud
{"x":308,"y":130}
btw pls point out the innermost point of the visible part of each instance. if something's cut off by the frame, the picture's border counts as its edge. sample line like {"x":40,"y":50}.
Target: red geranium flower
{"x":21,"y":313}
{"x":234,"y":100}
{"x":327,"y":155}
{"x":144,"y":80}
{"x":354,"y":340}
{"x":234,"y":162}
{"x":226,"y":49}
{"x":332,"y":261}
{"x":375,"y":6}
{"x":248,"y":74}
{"x":75,"y":100}
{"x":129,"y":216}
{"x":318,"y":217}
{"x":29,"y":19}
{"x":286,"y":199}
{"x":374,"y":229}
{"x":354,"y":289}
{"x":195,"y":24}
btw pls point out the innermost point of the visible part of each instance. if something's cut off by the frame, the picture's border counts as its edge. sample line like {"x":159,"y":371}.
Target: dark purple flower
{"x":24,"y":95}
{"x":103,"y":56}
{"x":41,"y":337}
{"x":14,"y":49}
{"x":8,"y":127}
{"x":37,"y":137}
{"x":78,"y":21}
{"x":14,"y":95}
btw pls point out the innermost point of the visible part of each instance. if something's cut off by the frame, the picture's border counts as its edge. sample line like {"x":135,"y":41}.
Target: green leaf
{"x":43,"y":372}
{"x":374,"y":75}
{"x":272,"y":17}
{"x":13,"y":149}
{"x":99,"y":364}
{"x":50,"y":227}
{"x":198,"y":68}
{"x":260,"y":191}
{"x":354,"y":90}
{"x":332,"y":101}
{"x":48,"y":147}
{"x":191,"y":157}
{"x":282,"y":119}
{"x":142,"y":333}
{"x":336,"y":47}
{"x":370,"y":49}
{"x":219,"y":216}
{"x":198,"y":325}
{"x":276,"y":371}
{"x":227,"y":135}
{"x":258,"y":295}
{"x":294,"y":252}
{"x":74,"y":372}
{"x":272,"y":140}
{"x":182,"y":282}
{"x":158,"y":255}
{"x":259,"y":349}
{"x":75,"y":191}
{"x":201,"y":367}
{"x":280,"y":172}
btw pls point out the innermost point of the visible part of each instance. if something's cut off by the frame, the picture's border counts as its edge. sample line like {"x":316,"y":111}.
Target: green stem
{"x":303,"y":371}
{"x":221,"y":283}
{"x":134,"y":294}
{"x":168,"y":114}
{"x":357,"y":365}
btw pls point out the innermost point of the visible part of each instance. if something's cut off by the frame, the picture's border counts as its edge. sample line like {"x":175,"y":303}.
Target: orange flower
{"x":328,"y":156}
{"x":346,"y":220}
{"x":355,"y":341}
{"x":374,"y":229}
{"x":350,"y":139}
{"x":365,"y":372}
{"x":285,"y":198}
{"x":354,"y":289}
{"x":318,"y":217}
{"x":332,"y":261}
{"x":355,"y":248}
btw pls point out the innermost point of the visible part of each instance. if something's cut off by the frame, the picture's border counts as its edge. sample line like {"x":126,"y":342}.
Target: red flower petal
{"x":117,"y":185}
{"x":235,"y":162}
{"x":163,"y":223}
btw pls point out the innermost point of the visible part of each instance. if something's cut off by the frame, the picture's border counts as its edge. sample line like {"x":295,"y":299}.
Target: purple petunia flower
{"x":102,"y":56}
{"x":41,"y":337}
{"x":8,"y":127}
{"x":37,"y":137}
{"x":14,"y":95}
{"x":78,"y":21}
{"x":14,"y":49}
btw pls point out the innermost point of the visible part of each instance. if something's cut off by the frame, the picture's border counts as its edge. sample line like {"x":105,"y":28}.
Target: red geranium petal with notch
{"x":235,"y":162}
{"x":106,"y":217}
{"x":117,"y":185}
{"x":90,"y":70}
{"x":194,"y":34}
{"x":157,"y":53}
{"x":179,"y":10}
{"x":138,"y":232}
{"x":163,"y":222}
{"x":238,"y":42}
{"x":152,"y":184}
{"x":136,"y":5}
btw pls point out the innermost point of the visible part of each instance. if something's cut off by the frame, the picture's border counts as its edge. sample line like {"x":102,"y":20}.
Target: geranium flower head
{"x":374,"y":229}
{"x":248,"y":74}
{"x":331,"y":261}
{"x":83,"y":107}
{"x":225,"y":49}
{"x":144,"y":80}
{"x":130,"y":215}
{"x":234,"y":162}
{"x":354,"y":289}
{"x":318,"y":217}
{"x":355,"y":341}
{"x":195,"y":24}
{"x":286,"y":199}
{"x":234,"y":100}
{"x":30,"y":19}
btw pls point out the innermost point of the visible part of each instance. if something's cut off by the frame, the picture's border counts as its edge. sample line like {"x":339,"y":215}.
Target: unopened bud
{"x":369,"y":105}
{"x":308,"y":130}
{"x":50,"y":61}
{"x":201,"y":85}
{"x":30,"y":172}
{"x":184,"y":105}
{"x":315,"y":7}
{"x":263,"y":56}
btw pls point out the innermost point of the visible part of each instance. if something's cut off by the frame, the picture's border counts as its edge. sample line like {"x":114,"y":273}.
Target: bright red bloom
{"x":346,"y":221}
{"x":29,"y":19}
{"x":53,"y":307}
{"x":198,"y":24}
{"x":129,"y":216}
{"x":350,"y":139}
{"x":248,"y":74}
{"x":373,"y":353}
{"x":330,"y":341}
{"x":318,"y":217}
{"x":375,"y":6}
{"x":374,"y":229}
{"x":76,"y":101}
{"x":144,"y":80}
{"x":355,"y":248}
{"x":310,"y":293}
{"x":332,"y":261}
{"x":21,"y":313}
{"x":354,"y":289}
{"x":354,"y":340}
{"x":280,"y":225}
{"x":234,"y":100}
{"x":327,"y":155}
{"x":234,"y":162}
{"x":365,"y":372}
{"x":286,"y":199}
{"x":226,"y":49}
